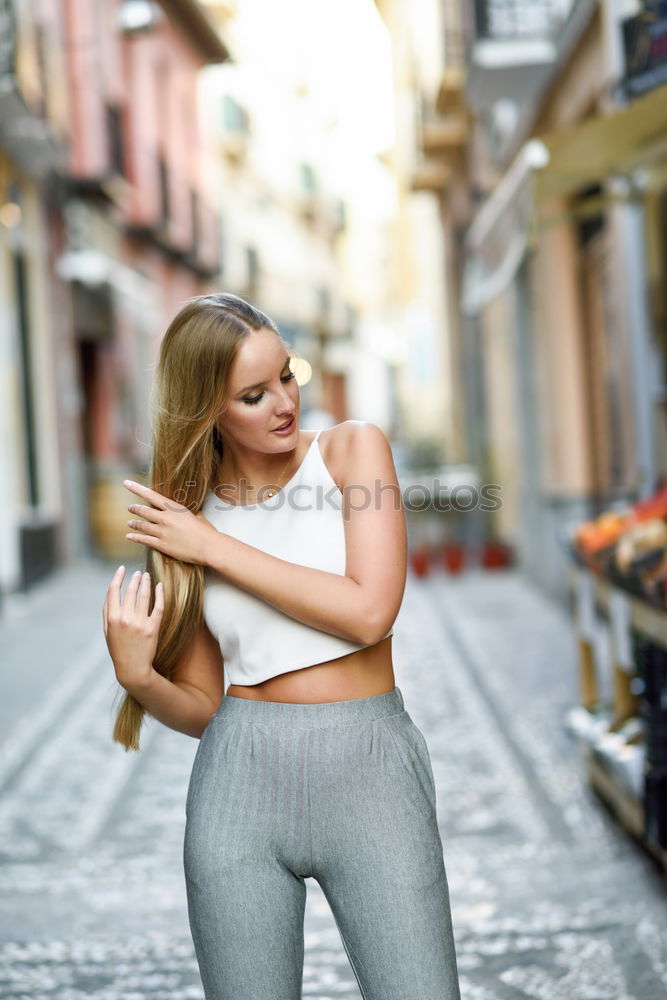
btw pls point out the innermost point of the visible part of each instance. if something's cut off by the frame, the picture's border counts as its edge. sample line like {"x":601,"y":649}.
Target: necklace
{"x":272,"y":492}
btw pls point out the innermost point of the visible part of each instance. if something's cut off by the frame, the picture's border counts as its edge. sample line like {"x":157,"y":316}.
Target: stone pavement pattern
{"x":549,"y":899}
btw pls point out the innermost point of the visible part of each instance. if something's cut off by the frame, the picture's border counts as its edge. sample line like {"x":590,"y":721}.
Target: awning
{"x":497,"y":240}
{"x":595,"y":149}
{"x":554,"y":166}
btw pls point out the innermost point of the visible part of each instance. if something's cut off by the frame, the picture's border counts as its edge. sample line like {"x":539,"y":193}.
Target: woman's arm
{"x":362,"y":604}
{"x":192,"y":696}
{"x":185,"y":703}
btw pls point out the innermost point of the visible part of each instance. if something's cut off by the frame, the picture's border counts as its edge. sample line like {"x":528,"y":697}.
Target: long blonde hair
{"x":189,"y":391}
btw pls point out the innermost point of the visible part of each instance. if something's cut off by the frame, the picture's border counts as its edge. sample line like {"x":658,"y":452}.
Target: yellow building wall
{"x":498,"y":326}
{"x":559,"y":363}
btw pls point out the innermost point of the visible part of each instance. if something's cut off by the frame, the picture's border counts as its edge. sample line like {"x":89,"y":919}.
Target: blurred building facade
{"x":106,"y":226}
{"x":141,"y":232}
{"x":295,"y":238}
{"x":33,"y":146}
{"x":130,"y":180}
{"x":553,"y":220}
{"x":421,"y":302}
{"x":568,"y":298}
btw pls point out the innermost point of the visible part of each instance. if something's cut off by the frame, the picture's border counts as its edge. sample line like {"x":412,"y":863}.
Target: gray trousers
{"x":343,"y":792}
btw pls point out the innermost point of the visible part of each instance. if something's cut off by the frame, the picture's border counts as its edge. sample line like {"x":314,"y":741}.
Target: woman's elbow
{"x":373,"y":629}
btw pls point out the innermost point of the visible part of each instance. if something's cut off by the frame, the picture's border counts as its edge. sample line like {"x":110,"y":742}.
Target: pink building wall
{"x":145,"y":86}
{"x":151,"y":79}
{"x":92,"y":46}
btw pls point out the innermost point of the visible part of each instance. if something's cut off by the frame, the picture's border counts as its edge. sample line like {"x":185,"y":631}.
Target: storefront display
{"x":628,"y":546}
{"x":619,"y":599}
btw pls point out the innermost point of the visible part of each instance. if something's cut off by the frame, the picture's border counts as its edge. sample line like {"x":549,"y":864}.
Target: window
{"x":308,"y":178}
{"x":234,"y":117}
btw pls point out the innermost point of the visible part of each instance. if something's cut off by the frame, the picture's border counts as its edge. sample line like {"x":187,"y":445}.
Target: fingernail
{"x":120,"y":568}
{"x":137,"y":573}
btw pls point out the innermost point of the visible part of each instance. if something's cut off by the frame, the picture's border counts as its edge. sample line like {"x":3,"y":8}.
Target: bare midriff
{"x":361,"y":674}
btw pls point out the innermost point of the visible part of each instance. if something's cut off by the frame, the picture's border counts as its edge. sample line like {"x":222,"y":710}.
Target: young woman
{"x":285,"y":553}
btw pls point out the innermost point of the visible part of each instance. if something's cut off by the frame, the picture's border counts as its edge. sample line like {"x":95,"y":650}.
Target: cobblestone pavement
{"x":550,"y":900}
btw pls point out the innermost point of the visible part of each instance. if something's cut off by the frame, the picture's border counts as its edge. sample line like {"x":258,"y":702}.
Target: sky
{"x":340,"y":48}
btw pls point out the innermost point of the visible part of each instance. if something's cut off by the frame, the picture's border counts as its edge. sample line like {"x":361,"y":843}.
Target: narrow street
{"x":550,"y":900}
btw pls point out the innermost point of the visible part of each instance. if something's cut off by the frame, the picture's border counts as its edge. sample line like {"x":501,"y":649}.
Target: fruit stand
{"x":618,"y":581}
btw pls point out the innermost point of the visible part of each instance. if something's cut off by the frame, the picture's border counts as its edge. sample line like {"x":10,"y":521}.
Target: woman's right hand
{"x":131,"y":633}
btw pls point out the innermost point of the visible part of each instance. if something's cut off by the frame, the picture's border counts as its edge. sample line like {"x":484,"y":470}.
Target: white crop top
{"x":302,"y":523}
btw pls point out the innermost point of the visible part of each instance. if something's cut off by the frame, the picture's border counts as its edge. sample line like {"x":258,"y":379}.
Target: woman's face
{"x":263,"y":395}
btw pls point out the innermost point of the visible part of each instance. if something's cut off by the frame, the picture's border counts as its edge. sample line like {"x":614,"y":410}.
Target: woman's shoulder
{"x":350,"y":439}
{"x":356,"y":433}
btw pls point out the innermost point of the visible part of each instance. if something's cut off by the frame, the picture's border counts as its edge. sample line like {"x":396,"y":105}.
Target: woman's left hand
{"x":169,"y":526}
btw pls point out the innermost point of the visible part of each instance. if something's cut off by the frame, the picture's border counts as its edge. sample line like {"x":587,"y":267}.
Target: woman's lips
{"x":284,"y":430}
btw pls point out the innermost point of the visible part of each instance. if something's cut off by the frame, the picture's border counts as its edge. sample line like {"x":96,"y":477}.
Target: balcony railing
{"x":430,"y":175}
{"x":114,"y":116}
{"x":165,"y":208}
{"x":445,"y":134}
{"x":204,"y":255}
{"x":512,"y":44}
{"x":26,"y":131}
{"x":519,"y":19}
{"x":455,"y":48}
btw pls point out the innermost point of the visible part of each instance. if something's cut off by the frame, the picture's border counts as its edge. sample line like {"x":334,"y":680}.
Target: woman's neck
{"x":234,"y":470}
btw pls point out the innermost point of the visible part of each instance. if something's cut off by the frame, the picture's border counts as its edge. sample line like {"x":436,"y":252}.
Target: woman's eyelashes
{"x":250,"y":400}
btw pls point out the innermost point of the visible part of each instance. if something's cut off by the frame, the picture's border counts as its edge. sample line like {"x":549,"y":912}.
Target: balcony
{"x":519,"y":20}
{"x":165,"y":208}
{"x":204,"y":255}
{"x":234,"y":137}
{"x":445,"y":136}
{"x":451,"y":97}
{"x":451,"y":91}
{"x":26,"y":133}
{"x":102,"y":170}
{"x":442,"y":142}
{"x":336,"y":217}
{"x":432,"y":176}
{"x":234,"y":147}
{"x":444,"y":124}
{"x":513,"y":44}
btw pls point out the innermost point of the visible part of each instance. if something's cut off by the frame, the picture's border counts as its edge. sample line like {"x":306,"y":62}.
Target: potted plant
{"x":453,"y":556}
{"x":420,"y":562}
{"x":496,"y":554}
